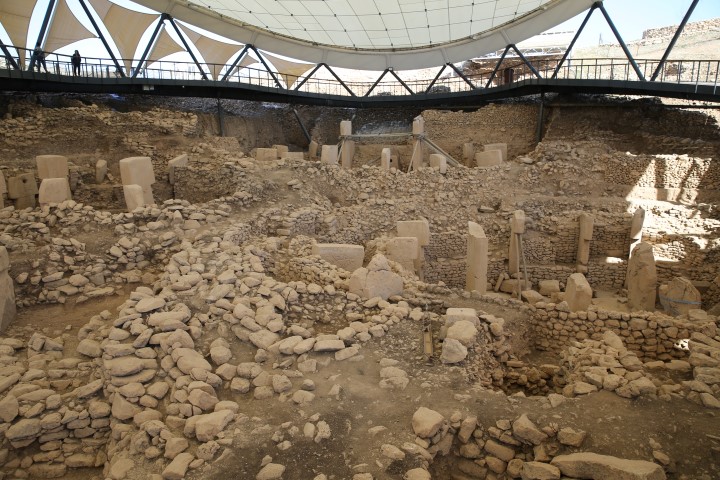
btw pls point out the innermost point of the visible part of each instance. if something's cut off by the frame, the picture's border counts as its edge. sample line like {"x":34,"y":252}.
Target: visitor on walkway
{"x":39,"y":57}
{"x":76,"y":61}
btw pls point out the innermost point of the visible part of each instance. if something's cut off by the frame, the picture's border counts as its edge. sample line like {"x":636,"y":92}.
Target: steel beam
{"x":242,"y":54}
{"x":150,"y":44}
{"x":367,"y":94}
{"x":43,"y":29}
{"x":671,"y":45}
{"x":332,"y":72}
{"x":401,"y":82}
{"x":462,"y":75}
{"x":302,"y":126}
{"x":10,"y":58}
{"x":307,"y":77}
{"x":102,"y":38}
{"x":187,"y":46}
{"x":497,"y":67}
{"x":572,"y":43}
{"x":522,"y":57}
{"x":267,"y":67}
{"x":621,"y":41}
{"x":432,"y":84}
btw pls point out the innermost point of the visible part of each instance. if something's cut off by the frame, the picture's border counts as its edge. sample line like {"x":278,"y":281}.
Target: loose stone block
{"x":101,"y":169}
{"x":52,"y":166}
{"x":385,"y":159}
{"x":403,"y":250}
{"x":453,"y":315}
{"x":477,"y":259}
{"x":679,"y":296}
{"x":502,"y":147}
{"x":419,"y":229}
{"x":517,"y":227}
{"x":22,"y":189}
{"x":329,"y":155}
{"x":139,"y":171}
{"x":586,"y":223}
{"x":418,"y":126}
{"x":642,"y":278}
{"x":469,"y":151}
{"x":346,"y":256}
{"x":347,"y":153}
{"x":312,"y":149}
{"x":179,"y":161}
{"x":134,"y":196}
{"x":54,"y":190}
{"x":377,"y":280}
{"x":438,"y":161}
{"x":282,"y":150}
{"x":7,"y":292}
{"x":578,"y":293}
{"x":345,"y":128}
{"x":489,"y":158}
{"x":265,"y":154}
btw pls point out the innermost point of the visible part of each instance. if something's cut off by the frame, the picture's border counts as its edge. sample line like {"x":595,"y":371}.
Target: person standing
{"x":39,"y":58}
{"x":76,"y":61}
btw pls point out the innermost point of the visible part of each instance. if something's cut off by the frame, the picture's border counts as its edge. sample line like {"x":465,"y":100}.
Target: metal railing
{"x":697,"y":72}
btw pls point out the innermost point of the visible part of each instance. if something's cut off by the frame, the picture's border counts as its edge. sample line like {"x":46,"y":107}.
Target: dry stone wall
{"x":650,"y":336}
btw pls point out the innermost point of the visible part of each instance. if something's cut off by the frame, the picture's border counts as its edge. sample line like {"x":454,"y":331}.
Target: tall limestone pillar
{"x":517,"y":227}
{"x":583,"y":251}
{"x":477,"y":259}
{"x":7,"y":292}
{"x":642,"y":278}
{"x":348,"y":146}
{"x":418,"y":152}
{"x":636,"y":228}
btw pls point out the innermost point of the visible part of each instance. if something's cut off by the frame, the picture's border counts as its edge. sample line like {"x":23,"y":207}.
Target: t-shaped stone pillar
{"x":139,"y":171}
{"x":329,"y":155}
{"x":517,"y":227}
{"x":7,"y":292}
{"x":477,"y":259}
{"x":418,"y":152}
{"x":642,"y":278}
{"x":586,"y":223}
{"x":636,"y":227}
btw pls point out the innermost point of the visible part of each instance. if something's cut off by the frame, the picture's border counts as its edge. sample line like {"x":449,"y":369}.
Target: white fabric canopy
{"x":65,"y":29}
{"x":216,"y":54}
{"x":289,"y":71}
{"x":125,"y":26}
{"x":15,"y":18}
{"x":164,"y":46}
{"x":367,"y":35}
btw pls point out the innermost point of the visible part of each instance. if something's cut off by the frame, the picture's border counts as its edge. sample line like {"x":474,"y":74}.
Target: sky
{"x":631,"y":18}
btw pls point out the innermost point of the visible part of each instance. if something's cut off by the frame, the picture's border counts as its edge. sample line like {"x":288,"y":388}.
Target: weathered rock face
{"x":578,"y":293}
{"x":592,"y":465}
{"x":377,"y":280}
{"x":426,"y":422}
{"x":7,"y":292}
{"x":679,"y":296}
{"x":642,"y":278}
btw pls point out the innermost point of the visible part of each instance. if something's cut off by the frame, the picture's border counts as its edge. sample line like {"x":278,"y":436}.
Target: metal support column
{"x":540,"y":119}
{"x":621,"y":41}
{"x":150,"y":44}
{"x":462,"y":75}
{"x":674,"y":40}
{"x":43,"y":29}
{"x":572,"y":43}
{"x":432,"y":84}
{"x":102,"y":38}
{"x":302,"y":127}
{"x":239,"y":58}
{"x":376,"y":83}
{"x":10,"y":58}
{"x":402,"y":82}
{"x":497,"y":67}
{"x":221,"y":119}
{"x":187,"y":46}
{"x":307,"y":77}
{"x":522,"y":57}
{"x":267,"y":67}
{"x":332,"y":72}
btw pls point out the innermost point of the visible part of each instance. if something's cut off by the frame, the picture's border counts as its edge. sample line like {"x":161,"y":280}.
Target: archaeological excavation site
{"x":439,"y":285}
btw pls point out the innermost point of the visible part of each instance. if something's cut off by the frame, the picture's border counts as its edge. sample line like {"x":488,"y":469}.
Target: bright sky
{"x":631,"y":18}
